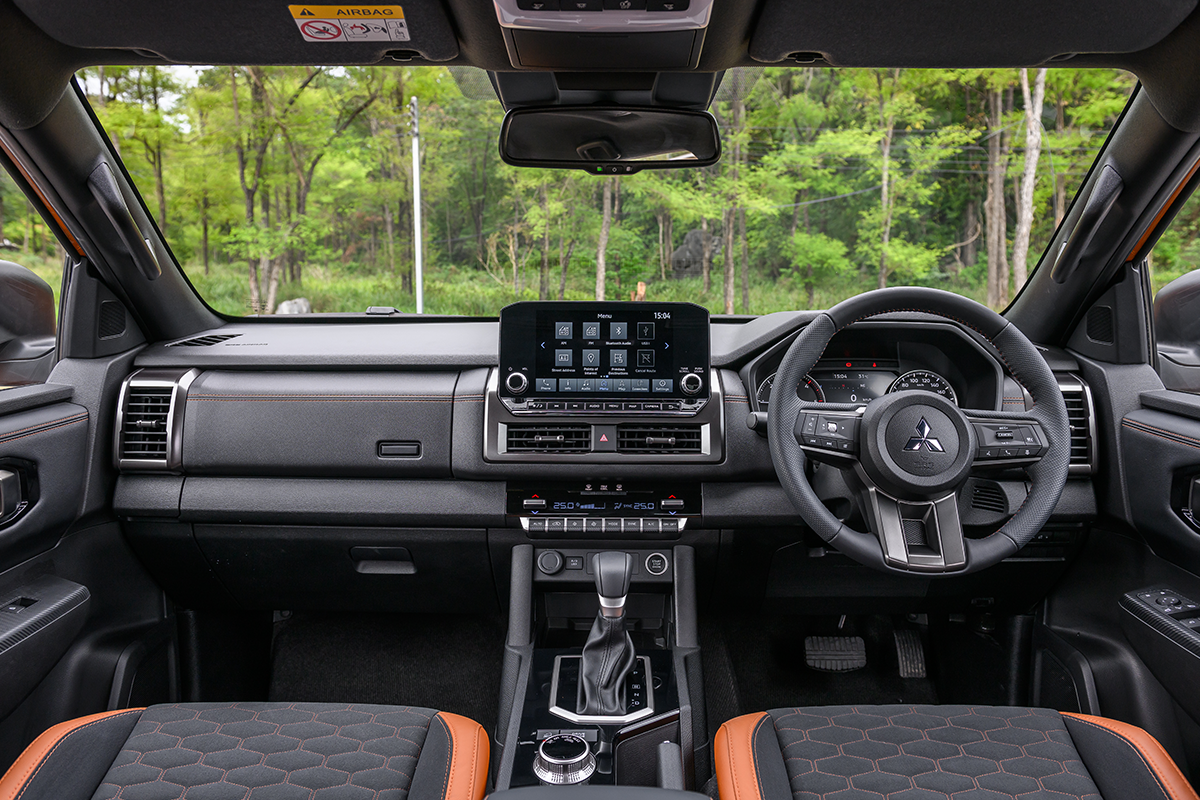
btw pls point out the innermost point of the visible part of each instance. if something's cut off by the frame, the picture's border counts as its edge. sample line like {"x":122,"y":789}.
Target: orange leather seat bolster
{"x":29,"y":762}
{"x":733,"y":751}
{"x":466,"y":774}
{"x":1160,"y":763}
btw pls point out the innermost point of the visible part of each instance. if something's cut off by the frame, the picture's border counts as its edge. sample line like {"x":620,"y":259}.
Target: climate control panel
{"x":602,"y":509}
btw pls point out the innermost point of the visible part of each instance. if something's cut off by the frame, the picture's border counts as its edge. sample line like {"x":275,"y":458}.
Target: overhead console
{"x":635,"y":35}
{"x":603,"y":383}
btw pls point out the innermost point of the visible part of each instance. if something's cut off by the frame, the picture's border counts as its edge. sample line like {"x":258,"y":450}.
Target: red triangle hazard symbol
{"x":604,"y":437}
{"x":306,"y":13}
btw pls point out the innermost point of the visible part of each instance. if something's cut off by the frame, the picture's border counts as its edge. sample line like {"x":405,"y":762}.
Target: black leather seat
{"x":927,"y":752}
{"x":264,"y":751}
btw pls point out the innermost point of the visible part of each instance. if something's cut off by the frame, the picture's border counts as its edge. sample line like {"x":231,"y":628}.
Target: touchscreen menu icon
{"x":618,"y":331}
{"x":591,"y":330}
{"x":562,"y":358}
{"x":564,"y":330}
{"x":591,"y":358}
{"x":646,"y":357}
{"x":645,"y":330}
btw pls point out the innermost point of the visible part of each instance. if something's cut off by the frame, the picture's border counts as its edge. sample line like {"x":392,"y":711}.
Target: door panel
{"x":45,"y":449}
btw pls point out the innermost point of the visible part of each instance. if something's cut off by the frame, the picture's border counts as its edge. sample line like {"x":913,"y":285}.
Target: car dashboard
{"x":280,"y":465}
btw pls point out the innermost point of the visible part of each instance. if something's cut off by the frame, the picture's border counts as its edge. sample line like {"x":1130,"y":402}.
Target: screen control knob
{"x":550,"y":562}
{"x":516,"y":382}
{"x":691,"y":383}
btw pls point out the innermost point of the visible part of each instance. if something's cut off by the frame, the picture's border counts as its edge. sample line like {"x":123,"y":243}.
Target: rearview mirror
{"x":609,"y":140}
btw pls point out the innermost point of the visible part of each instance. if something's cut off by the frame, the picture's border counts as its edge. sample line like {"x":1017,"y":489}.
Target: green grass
{"x":472,"y":292}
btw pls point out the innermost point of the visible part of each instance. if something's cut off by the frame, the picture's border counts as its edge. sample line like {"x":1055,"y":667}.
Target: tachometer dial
{"x":809,"y":390}
{"x":922,"y":380}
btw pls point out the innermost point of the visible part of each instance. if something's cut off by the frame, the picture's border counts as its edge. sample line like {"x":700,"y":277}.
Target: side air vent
{"x":150,"y":419}
{"x":206,"y":341}
{"x":988,"y":496}
{"x":1081,"y":414}
{"x":549,"y":438}
{"x":659,"y":439}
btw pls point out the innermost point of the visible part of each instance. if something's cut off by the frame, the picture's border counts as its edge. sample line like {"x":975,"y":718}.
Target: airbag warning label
{"x":351,"y":23}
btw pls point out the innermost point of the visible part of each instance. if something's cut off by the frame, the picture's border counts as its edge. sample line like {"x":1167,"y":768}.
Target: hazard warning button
{"x":604,"y":439}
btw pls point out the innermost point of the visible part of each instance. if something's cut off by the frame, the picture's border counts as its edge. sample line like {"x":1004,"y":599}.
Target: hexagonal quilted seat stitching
{"x":269,"y":751}
{"x":928,"y":752}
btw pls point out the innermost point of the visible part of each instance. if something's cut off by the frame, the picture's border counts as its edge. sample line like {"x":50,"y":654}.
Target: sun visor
{"x":252,"y":31}
{"x":958,"y":33}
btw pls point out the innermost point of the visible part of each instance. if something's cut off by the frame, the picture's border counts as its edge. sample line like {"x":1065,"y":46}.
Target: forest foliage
{"x":284,"y":182}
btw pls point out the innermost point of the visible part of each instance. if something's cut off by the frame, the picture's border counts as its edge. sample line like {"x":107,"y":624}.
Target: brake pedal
{"x":910,"y":653}
{"x":835,"y":653}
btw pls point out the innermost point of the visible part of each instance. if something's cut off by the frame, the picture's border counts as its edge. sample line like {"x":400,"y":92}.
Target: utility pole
{"x":418,"y":280}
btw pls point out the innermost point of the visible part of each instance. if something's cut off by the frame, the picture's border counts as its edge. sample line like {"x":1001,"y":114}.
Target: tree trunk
{"x":705,"y":255}
{"x":745,"y":261}
{"x":204,"y":228}
{"x":1060,"y":181}
{"x":563,"y":262}
{"x":727,"y":221}
{"x":544,"y":275}
{"x":997,"y":245}
{"x":602,"y":245}
{"x":1033,"y":149}
{"x":887,"y":123}
{"x":670,"y":239}
{"x":971,"y":233}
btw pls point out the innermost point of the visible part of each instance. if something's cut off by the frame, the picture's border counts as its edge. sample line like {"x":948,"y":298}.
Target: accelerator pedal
{"x":835,"y":653}
{"x":910,"y":653}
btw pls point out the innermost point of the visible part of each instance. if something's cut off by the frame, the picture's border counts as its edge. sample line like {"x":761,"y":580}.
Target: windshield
{"x":291,"y":189}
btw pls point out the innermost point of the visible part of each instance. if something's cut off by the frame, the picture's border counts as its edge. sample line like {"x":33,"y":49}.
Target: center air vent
{"x":206,"y":341}
{"x":150,"y":418}
{"x":549,"y":438}
{"x":659,"y":439}
{"x":1079,"y":413}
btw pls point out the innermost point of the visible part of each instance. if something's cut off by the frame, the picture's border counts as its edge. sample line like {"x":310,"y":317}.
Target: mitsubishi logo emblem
{"x":924,"y":440}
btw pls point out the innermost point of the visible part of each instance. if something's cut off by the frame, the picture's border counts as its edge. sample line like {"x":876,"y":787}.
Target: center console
{"x":601,"y":673}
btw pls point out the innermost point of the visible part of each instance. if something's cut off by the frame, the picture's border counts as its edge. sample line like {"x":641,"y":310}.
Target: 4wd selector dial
{"x":691,"y":383}
{"x":516,"y":382}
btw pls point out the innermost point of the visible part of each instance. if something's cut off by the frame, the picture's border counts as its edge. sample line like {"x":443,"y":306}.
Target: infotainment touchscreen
{"x":623,"y":350}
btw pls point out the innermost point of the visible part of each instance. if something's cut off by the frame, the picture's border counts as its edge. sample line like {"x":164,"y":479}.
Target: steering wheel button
{"x":810,"y":425}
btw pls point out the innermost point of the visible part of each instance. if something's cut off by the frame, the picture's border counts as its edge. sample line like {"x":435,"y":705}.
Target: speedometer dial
{"x":809,"y":390}
{"x":923,"y":380}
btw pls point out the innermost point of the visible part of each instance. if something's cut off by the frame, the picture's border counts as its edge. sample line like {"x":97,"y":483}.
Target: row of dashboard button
{"x":593,"y":407}
{"x":576,"y":525}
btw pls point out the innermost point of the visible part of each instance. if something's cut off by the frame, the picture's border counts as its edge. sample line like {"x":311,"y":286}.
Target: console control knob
{"x":516,"y":382}
{"x":691,"y":383}
{"x":550,"y":562}
{"x":1169,"y":601}
{"x":564,"y":759}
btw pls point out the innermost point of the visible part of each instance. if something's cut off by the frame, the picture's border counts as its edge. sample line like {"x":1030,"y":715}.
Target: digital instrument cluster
{"x":855,"y":384}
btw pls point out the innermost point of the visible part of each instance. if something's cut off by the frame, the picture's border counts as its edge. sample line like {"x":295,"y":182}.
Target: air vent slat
{"x":659,"y":439}
{"x":1078,"y":415}
{"x":988,"y":497}
{"x":206,"y":341}
{"x":549,"y":438}
{"x":144,"y":423}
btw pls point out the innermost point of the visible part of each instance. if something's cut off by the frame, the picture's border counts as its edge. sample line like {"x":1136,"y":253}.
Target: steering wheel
{"x":910,"y":452}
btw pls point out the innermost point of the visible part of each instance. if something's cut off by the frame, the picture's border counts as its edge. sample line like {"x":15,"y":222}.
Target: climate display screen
{"x":631,"y":350}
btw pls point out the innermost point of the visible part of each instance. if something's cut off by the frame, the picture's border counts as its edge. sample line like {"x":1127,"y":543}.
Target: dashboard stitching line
{"x":53,"y":427}
{"x":71,"y":418}
{"x":1170,"y":436}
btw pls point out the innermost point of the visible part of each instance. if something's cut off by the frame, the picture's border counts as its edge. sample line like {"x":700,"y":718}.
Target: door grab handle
{"x":11,"y":499}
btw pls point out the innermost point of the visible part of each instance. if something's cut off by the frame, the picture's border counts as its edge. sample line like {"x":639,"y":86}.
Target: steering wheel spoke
{"x":1007,"y":440}
{"x":828,"y":432}
{"x":919,"y":536}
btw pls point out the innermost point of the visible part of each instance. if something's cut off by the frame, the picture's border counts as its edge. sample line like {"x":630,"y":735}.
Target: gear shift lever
{"x":608,"y":655}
